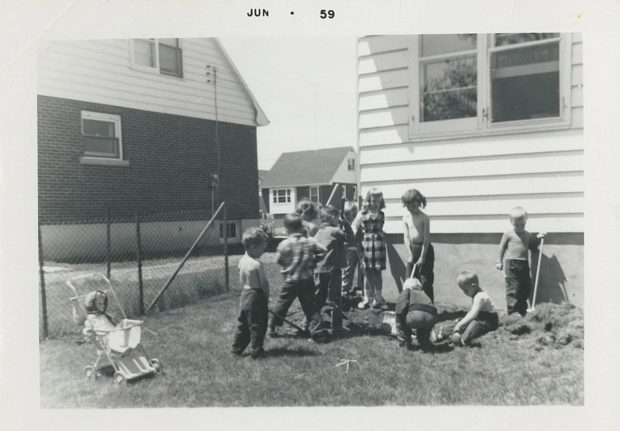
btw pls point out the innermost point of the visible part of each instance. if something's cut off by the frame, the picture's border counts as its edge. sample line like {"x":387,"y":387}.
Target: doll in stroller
{"x":118,"y":345}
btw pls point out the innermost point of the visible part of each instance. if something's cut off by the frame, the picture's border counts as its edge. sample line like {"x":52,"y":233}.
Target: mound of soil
{"x":550,"y":325}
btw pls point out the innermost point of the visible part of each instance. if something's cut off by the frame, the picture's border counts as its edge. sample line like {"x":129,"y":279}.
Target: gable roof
{"x":261,"y":118}
{"x":303,"y":168}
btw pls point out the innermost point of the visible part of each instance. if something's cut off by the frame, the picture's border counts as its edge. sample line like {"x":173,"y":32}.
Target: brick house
{"x":310,"y":174}
{"x":132,"y":125}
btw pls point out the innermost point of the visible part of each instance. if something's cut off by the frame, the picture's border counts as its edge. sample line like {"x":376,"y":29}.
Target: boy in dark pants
{"x":513,"y":248}
{"x":253,"y":314}
{"x":297,"y":255}
{"x":481,"y":318}
{"x":328,"y":271}
{"x":417,"y":239}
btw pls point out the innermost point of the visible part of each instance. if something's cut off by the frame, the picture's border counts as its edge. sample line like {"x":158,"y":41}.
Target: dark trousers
{"x":421,"y":321}
{"x":304,"y":290}
{"x":485,"y":322}
{"x":252,"y":319}
{"x":517,"y":285}
{"x":425,"y":274}
{"x":328,"y":291}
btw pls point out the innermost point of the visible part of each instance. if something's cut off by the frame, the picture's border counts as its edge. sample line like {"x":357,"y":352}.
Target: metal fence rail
{"x":139,"y":255}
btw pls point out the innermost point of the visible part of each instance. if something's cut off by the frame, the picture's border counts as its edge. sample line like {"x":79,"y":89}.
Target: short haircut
{"x":253,"y":236}
{"x":517,"y":213}
{"x":412,"y":283}
{"x":307,"y":209}
{"x":327,"y":212}
{"x":377,"y":193}
{"x":292,"y":222}
{"x":413,"y":195}
{"x":467,"y":278}
{"x":349,"y":208}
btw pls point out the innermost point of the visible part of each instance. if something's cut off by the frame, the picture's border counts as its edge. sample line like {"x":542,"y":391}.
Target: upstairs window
{"x":351,"y":164}
{"x":101,"y":135}
{"x":162,"y":56}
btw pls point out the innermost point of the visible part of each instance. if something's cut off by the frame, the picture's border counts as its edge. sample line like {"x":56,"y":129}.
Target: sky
{"x":306,"y":87}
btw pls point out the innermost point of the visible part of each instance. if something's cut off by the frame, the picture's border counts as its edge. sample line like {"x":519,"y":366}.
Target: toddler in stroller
{"x":119,"y":343}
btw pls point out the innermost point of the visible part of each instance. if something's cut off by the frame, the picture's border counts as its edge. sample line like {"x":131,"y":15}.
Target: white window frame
{"x":229,"y":236}
{"x":156,"y":68}
{"x":287,"y":196}
{"x":317,"y":191}
{"x":110,"y":118}
{"x":482,"y":124}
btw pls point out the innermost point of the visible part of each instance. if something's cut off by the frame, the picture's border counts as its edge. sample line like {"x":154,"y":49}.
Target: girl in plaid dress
{"x":370,"y":221}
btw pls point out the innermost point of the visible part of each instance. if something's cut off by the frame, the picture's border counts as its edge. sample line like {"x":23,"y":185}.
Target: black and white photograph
{"x":382,"y":214}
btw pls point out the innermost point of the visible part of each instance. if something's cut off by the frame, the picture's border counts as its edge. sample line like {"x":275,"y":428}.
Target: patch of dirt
{"x":550,"y":325}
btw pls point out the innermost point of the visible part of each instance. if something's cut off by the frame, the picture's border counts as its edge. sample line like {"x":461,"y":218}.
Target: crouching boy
{"x":253,"y":314}
{"x":414,"y":310}
{"x":481,"y":318}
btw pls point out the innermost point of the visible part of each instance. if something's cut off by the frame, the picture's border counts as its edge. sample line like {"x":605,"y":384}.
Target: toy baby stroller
{"x":119,"y":343}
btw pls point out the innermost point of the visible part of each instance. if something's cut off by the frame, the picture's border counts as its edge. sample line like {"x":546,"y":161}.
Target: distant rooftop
{"x":302,"y":168}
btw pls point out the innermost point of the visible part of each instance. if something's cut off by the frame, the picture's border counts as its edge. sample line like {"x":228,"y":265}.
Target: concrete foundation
{"x":561,"y":276}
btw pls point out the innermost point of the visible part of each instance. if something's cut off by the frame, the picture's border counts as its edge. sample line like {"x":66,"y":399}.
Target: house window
{"x":525,"y":76}
{"x":314,"y":193}
{"x":351,"y":164}
{"x":477,"y":82}
{"x":101,"y":135}
{"x":448,"y":79}
{"x":162,"y":56}
{"x":281,"y":196}
{"x":231,"y":231}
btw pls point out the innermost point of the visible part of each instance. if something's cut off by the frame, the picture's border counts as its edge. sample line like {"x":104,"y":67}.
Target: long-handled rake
{"x":286,"y":320}
{"x":540,"y":252}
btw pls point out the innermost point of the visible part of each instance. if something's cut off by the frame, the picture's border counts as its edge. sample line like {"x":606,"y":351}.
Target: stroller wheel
{"x":159,"y":368}
{"x":119,"y":379}
{"x":89,"y":373}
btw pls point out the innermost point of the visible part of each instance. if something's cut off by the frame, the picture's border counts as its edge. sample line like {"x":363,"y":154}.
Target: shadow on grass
{"x":285,"y":351}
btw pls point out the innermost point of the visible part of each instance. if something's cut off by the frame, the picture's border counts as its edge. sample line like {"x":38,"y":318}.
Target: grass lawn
{"x":531,"y":361}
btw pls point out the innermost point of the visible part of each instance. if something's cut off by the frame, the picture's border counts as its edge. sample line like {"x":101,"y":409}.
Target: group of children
{"x":319,"y":257}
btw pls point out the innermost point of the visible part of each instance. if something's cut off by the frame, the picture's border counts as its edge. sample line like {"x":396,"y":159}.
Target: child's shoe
{"x":273,"y":332}
{"x":457,"y":341}
{"x":363,"y":305}
{"x":259,"y":354}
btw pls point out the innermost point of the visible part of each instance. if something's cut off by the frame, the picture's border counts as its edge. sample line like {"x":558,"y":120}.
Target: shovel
{"x":540,"y":252}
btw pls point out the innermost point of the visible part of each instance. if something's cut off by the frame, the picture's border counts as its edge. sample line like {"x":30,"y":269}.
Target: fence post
{"x":139,"y":259}
{"x":108,"y":245}
{"x":226,"y":280}
{"x":42,"y":285}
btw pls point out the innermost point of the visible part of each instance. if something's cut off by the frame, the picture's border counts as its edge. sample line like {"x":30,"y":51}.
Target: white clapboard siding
{"x":384,"y":99}
{"x":383,"y":80}
{"x":499,"y":223}
{"x":501,"y":165}
{"x":551,"y":182}
{"x":384,"y":117}
{"x":373,"y":45}
{"x":471,"y":182}
{"x":566,"y":203}
{"x":100,"y":72}
{"x":386,"y":61}
{"x":475,"y":147}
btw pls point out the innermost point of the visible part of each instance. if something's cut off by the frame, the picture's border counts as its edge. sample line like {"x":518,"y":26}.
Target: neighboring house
{"x":131,"y":125}
{"x":262,"y":206}
{"x":310,"y":174}
{"x":479,"y":124}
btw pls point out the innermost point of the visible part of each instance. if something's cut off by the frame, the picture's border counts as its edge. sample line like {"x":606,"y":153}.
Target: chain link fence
{"x":154,"y":262}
